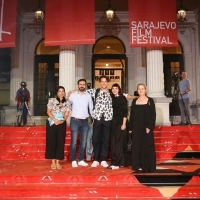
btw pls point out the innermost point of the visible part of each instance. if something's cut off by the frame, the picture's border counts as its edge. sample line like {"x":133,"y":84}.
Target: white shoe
{"x":104,"y":164}
{"x":82,"y":163}
{"x":114,"y":167}
{"x":95,"y":164}
{"x":74,"y":164}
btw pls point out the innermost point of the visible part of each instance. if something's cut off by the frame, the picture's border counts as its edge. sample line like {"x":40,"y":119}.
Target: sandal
{"x":53,"y":166}
{"x":58,"y":166}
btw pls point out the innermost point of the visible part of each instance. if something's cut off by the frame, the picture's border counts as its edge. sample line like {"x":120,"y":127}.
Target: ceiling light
{"x":39,"y":13}
{"x":181,"y":13}
{"x":109,"y":12}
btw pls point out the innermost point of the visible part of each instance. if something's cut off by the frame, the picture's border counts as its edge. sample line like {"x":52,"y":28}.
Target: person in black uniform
{"x":118,"y":130}
{"x":22,"y":98}
{"x":141,"y":125}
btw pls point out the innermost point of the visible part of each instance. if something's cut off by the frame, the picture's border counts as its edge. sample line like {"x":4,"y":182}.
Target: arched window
{"x":109,"y":59}
{"x":109,"y":45}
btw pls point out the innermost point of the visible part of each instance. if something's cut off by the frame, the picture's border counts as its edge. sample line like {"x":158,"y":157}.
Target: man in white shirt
{"x":80,"y":102}
{"x":102,"y":114}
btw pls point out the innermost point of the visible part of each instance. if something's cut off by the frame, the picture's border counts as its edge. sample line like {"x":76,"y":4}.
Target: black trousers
{"x":55,"y":141}
{"x":101,"y":137}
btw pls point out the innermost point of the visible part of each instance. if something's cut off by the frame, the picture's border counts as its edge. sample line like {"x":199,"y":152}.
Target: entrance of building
{"x":46,"y":81}
{"x":46,"y":76}
{"x":109,"y":59}
{"x":173,"y":63}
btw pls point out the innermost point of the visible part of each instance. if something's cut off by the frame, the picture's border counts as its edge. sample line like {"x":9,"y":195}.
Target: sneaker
{"x":104,"y":164}
{"x":74,"y":164}
{"x":188,"y":123}
{"x":95,"y":164}
{"x":115,"y":167}
{"x":181,"y":124}
{"x":82,"y":163}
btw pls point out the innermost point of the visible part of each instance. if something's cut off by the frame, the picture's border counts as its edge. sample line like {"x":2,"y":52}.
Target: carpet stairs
{"x":25,"y":174}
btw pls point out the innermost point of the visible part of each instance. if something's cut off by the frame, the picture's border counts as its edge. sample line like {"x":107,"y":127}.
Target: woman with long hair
{"x":57,"y":111}
{"x":141,"y":125}
{"x":118,"y":131}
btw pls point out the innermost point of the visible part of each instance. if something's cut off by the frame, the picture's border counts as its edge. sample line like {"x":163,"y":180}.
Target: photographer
{"x":184,"y":89}
{"x":22,"y":97}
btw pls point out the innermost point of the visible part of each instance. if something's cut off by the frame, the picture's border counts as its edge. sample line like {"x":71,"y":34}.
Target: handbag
{"x":129,"y":144}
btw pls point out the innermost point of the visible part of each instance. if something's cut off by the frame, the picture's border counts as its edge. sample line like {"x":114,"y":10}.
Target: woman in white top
{"x":57,"y":111}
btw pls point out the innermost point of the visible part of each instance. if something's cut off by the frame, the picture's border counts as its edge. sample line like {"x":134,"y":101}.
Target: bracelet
{"x":123,"y":124}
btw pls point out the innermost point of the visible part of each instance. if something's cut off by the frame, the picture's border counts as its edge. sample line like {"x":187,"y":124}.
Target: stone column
{"x":67,"y":67}
{"x":79,"y":60}
{"x":155,"y":77}
{"x":155,"y":85}
{"x":140,"y":70}
{"x":15,"y":75}
{"x":15,"y":81}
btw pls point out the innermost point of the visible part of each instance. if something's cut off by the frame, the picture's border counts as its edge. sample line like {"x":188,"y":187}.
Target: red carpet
{"x":25,"y":174}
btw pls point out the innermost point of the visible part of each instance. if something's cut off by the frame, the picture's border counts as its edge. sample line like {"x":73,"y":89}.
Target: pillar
{"x":79,"y":60}
{"x":15,"y":75}
{"x":155,"y":77}
{"x":155,"y":85}
{"x":67,"y":67}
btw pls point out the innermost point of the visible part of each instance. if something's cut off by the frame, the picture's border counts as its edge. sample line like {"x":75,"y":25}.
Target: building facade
{"x":44,"y":68}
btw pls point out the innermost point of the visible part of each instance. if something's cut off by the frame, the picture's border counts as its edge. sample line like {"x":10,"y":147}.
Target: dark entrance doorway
{"x":46,"y":81}
{"x":173,"y":63}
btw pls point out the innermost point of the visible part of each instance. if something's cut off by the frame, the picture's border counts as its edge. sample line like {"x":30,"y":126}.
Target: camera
{"x":175,"y":76}
{"x":22,"y":95}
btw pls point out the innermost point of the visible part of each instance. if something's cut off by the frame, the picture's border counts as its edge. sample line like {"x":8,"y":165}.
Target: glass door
{"x":173,"y":63}
{"x":46,"y":81}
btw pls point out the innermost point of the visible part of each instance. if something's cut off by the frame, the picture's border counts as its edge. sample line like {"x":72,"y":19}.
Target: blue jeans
{"x":185,"y":113}
{"x":89,"y":146}
{"x":81,"y":127}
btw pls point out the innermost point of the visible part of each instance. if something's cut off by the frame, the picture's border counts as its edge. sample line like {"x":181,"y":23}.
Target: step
{"x":30,"y":142}
{"x":89,"y":191}
{"x":37,"y":181}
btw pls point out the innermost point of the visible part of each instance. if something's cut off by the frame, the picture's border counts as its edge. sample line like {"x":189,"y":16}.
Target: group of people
{"x":109,"y":111}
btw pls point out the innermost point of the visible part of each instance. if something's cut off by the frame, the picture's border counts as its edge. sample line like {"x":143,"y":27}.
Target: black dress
{"x":143,"y":147}
{"x":118,"y":136}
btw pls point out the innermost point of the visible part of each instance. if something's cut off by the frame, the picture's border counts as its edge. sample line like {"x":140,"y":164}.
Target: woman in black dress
{"x":141,"y":125}
{"x":58,"y":111}
{"x":118,"y":131}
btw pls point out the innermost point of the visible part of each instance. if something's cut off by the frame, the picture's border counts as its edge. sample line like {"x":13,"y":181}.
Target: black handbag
{"x":129,"y":144}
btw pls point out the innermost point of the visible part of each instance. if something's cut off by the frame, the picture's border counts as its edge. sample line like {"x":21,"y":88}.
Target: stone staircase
{"x":39,"y":120}
{"x":177,"y":119}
